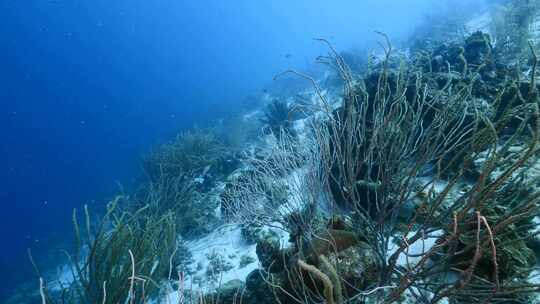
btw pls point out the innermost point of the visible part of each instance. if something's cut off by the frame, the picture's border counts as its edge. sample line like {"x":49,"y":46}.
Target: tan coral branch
{"x":328,"y":286}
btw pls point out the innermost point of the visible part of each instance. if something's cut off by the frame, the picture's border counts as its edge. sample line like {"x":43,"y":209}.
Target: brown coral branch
{"x":494,"y":258}
{"x":328,"y":286}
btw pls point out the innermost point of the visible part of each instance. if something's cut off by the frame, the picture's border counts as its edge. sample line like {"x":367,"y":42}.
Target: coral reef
{"x":511,"y":29}
{"x":419,"y":183}
{"x":372,"y":153}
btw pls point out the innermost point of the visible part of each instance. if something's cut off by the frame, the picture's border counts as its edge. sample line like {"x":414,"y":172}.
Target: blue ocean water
{"x":87,"y":87}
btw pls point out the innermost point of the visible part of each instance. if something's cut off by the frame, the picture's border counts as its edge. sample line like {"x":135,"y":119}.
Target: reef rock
{"x":355,"y":265}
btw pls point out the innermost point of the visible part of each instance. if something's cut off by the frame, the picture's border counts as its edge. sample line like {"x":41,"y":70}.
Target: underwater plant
{"x":181,"y":175}
{"x":416,"y":187}
{"x":121,"y":260}
{"x":193,"y":208}
{"x":136,"y":245}
{"x":277,"y":116}
{"x":191,"y":151}
{"x":279,"y":190}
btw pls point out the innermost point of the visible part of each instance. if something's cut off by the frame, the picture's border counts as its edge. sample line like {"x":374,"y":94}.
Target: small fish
{"x":288,"y":55}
